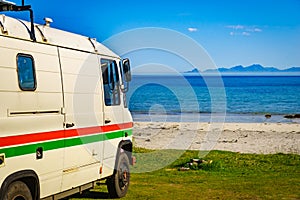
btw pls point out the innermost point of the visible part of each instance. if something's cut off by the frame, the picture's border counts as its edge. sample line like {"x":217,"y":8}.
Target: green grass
{"x":229,"y":176}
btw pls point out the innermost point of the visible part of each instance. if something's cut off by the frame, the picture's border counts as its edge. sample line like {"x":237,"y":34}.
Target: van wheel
{"x":118,"y":183}
{"x":18,"y":191}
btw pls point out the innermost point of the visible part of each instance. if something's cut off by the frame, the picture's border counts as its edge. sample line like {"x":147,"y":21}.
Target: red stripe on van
{"x":60,"y":134}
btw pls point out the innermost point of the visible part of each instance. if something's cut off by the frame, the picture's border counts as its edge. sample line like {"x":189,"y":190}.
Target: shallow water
{"x":233,"y":98}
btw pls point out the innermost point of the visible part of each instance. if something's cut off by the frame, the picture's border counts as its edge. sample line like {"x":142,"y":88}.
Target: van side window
{"x":111,"y":82}
{"x":26,"y":72}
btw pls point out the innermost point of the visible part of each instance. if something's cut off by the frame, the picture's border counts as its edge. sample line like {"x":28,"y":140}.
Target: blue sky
{"x":233,"y":32}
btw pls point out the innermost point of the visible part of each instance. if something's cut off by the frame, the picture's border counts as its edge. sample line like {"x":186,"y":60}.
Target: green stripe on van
{"x":52,"y":145}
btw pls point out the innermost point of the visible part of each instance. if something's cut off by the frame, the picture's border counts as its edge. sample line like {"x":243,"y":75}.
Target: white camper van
{"x":64,"y":122}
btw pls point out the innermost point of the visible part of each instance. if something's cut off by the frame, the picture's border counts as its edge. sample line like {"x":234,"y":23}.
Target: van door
{"x":83,"y":117}
{"x":113,"y":110}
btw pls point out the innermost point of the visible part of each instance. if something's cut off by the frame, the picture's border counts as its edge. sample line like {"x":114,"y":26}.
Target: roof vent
{"x":48,"y":21}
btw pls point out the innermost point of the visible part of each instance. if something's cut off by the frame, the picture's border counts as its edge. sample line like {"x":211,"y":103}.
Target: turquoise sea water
{"x":196,"y":98}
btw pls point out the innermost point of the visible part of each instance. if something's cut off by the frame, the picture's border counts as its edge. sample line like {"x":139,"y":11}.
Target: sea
{"x":180,"y":98}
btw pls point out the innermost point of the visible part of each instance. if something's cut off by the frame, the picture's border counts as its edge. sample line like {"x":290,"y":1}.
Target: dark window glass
{"x":111,"y":82}
{"x":26,"y":73}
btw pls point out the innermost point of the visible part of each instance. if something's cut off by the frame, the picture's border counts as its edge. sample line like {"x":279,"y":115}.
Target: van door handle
{"x":69,"y":125}
{"x":107,"y":121}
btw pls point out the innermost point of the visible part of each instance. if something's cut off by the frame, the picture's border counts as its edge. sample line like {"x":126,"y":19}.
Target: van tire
{"x":18,"y":190}
{"x":118,"y":183}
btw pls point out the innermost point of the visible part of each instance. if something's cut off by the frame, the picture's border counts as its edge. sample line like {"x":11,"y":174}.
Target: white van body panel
{"x":65,"y":116}
{"x":17,"y":108}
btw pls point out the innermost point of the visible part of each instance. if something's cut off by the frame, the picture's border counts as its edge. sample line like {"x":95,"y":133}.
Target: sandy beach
{"x":260,"y":138}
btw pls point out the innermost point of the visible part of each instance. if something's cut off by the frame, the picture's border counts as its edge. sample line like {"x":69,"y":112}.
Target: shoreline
{"x":214,"y":117}
{"x":257,"y":138}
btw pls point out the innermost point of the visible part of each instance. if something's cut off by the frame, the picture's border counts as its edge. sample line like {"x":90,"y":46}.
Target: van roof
{"x":20,"y":29}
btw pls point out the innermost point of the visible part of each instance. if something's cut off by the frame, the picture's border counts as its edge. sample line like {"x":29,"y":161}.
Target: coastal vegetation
{"x":226,"y":175}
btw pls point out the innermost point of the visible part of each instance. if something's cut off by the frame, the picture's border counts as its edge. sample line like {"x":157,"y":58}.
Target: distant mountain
{"x":255,"y":68}
{"x":293,"y":69}
{"x":195,"y":70}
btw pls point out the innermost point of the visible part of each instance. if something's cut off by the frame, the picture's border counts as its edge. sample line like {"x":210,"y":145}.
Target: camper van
{"x":64,"y":121}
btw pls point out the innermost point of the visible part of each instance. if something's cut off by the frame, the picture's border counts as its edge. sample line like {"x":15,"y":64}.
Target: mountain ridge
{"x":255,"y":68}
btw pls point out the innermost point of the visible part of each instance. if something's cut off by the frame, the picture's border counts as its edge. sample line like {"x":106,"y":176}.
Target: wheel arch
{"x":28,"y":177}
{"x":117,"y":187}
{"x":126,"y":147}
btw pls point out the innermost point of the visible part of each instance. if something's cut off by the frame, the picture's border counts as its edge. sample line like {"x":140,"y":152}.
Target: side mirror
{"x":126,"y":70}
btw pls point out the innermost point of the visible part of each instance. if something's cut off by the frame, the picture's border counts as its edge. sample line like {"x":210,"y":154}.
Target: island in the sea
{"x":252,"y":69}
